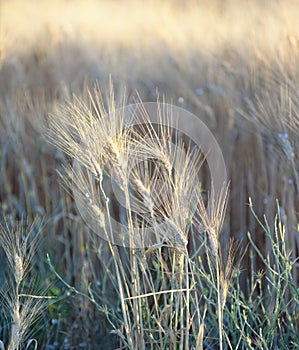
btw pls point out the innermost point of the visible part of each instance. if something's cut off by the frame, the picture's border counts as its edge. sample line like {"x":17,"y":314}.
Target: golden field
{"x":234,"y":64}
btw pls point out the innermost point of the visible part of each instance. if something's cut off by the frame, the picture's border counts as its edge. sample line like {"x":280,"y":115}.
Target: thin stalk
{"x":219,"y":305}
{"x":121,"y":292}
{"x":187,"y":303}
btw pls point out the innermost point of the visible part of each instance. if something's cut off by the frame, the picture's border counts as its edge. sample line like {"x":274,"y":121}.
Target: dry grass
{"x":234,"y":64}
{"x":22,"y":304}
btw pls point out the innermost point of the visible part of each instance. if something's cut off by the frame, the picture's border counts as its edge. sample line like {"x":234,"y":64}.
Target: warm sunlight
{"x":149,"y":174}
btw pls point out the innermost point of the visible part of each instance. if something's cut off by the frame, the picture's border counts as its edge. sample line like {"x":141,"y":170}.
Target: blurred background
{"x":232,"y":63}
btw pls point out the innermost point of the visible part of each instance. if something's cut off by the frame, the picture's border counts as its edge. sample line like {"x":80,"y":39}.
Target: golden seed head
{"x":19,"y":268}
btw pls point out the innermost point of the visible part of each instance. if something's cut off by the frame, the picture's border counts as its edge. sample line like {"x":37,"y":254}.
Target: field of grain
{"x":233,"y":284}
